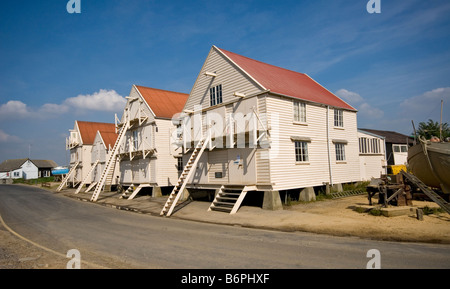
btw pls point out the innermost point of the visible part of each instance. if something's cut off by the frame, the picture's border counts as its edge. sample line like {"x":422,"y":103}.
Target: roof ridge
{"x":95,"y":122}
{"x":161,"y":89}
{"x":265,"y":63}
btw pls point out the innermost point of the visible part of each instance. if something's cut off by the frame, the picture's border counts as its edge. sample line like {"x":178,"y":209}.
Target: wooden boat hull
{"x":438,"y":175}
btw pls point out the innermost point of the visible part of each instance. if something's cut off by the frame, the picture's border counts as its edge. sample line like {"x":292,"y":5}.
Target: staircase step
{"x":218,"y":203}
{"x":221,"y":209}
{"x":230,"y":194}
{"x":226,"y":198}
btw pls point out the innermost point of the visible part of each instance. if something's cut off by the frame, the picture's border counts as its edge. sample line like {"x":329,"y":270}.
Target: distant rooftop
{"x":391,"y":136}
{"x":14,"y":164}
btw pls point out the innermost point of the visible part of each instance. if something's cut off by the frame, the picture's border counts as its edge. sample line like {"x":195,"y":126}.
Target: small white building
{"x":80,"y":143}
{"x":101,"y":151}
{"x":144,"y":151}
{"x":18,"y":168}
{"x":397,"y":145}
{"x":372,"y":155}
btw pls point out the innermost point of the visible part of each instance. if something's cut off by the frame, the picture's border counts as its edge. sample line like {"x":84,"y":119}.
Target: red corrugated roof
{"x":88,"y":130}
{"x":164,"y":103}
{"x":109,"y":138}
{"x":286,"y":82}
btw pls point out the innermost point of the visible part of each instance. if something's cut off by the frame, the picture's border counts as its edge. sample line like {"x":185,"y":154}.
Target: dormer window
{"x":215,"y":95}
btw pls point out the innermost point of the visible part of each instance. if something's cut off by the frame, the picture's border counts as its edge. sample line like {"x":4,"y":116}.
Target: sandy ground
{"x":335,"y":217}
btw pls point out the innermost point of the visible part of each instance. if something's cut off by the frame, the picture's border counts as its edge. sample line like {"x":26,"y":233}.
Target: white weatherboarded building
{"x":100,"y":152}
{"x":143,"y":149}
{"x":80,"y":143}
{"x":372,"y":155}
{"x":271,"y":130}
{"x":18,"y":168}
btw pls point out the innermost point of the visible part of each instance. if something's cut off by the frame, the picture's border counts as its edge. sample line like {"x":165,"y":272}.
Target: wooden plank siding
{"x":285,"y":172}
{"x":166,"y":162}
{"x":158,"y":168}
{"x":231,"y":79}
{"x":275,"y":164}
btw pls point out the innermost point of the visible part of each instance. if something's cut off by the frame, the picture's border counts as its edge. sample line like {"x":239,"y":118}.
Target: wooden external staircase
{"x":229,"y":199}
{"x":427,"y":191}
{"x":188,"y":170}
{"x":68,"y":176}
{"x":108,"y":171}
{"x":85,"y":180}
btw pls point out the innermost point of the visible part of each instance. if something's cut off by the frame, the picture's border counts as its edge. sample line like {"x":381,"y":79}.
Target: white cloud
{"x":430,"y":99}
{"x":365,"y":110}
{"x":369,"y":111}
{"x":14,"y":109}
{"x":4,"y":137}
{"x":52,"y":109}
{"x":349,"y":96}
{"x":104,"y":100}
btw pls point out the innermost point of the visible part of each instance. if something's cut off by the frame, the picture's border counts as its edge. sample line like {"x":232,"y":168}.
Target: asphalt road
{"x":99,"y":233}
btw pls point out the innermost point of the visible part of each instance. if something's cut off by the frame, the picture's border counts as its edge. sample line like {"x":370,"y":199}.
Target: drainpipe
{"x":328,"y":146}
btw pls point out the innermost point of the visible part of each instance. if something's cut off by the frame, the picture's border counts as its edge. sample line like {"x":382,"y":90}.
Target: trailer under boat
{"x":430,"y":162}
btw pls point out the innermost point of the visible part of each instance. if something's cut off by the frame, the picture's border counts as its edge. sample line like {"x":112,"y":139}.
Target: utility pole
{"x":440,"y":124}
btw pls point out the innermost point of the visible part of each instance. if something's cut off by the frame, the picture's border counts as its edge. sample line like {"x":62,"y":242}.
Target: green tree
{"x":431,"y":128}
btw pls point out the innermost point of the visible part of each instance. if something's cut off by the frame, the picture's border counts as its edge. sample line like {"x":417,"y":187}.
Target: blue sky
{"x":57,"y":67}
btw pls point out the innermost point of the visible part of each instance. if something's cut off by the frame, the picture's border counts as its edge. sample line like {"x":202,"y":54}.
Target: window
{"x":215,"y":95}
{"x":369,"y":145}
{"x":135,"y":140}
{"x":16,"y":174}
{"x":179,"y":131}
{"x":340,"y":151}
{"x":339,"y":118}
{"x":299,"y":111}
{"x":180,"y":164}
{"x":301,"y":151}
{"x":400,"y":148}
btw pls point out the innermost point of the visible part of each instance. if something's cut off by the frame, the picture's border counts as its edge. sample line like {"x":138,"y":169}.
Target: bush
{"x":375,"y":212}
{"x":34,"y":181}
{"x":430,"y":211}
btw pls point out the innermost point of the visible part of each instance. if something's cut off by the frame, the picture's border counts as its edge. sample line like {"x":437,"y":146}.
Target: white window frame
{"x":301,"y":152}
{"x":338,"y":117}
{"x":370,"y":146}
{"x":135,"y":140}
{"x":215,"y":95}
{"x":180,"y":164}
{"x":400,"y":148}
{"x":340,"y":152}
{"x":299,"y":111}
